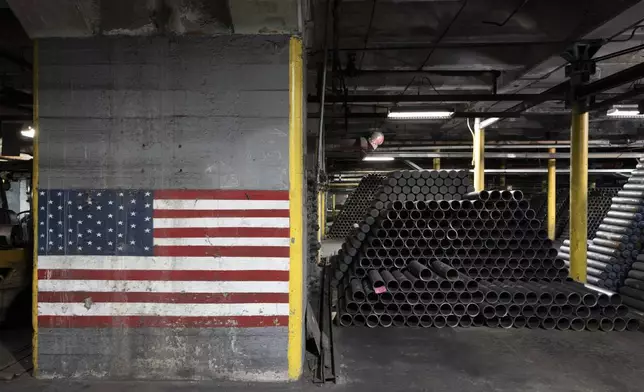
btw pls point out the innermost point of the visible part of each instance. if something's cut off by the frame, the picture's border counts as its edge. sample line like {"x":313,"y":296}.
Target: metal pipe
{"x":633,"y":302}
{"x":609,"y":243}
{"x":377,"y":282}
{"x":512,"y":155}
{"x":444,"y":270}
{"x":358,"y":98}
{"x":631,"y":292}
{"x":624,"y":215}
{"x":349,"y":178}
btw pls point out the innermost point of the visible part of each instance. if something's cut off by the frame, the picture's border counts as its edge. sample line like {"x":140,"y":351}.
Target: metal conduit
{"x":508,"y":155}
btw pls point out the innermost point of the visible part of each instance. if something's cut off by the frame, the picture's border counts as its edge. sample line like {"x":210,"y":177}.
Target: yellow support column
{"x":296,"y":191}
{"x":437,"y":162}
{"x":578,"y":193}
{"x":479,"y":156}
{"x":552,"y":195}
{"x":333,"y":205}
{"x":34,"y":207}
{"x":321,"y":215}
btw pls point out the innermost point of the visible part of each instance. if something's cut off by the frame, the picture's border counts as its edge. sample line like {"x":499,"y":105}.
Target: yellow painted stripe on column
{"x":552,"y":195}
{"x":296,"y":190}
{"x":34,"y":208}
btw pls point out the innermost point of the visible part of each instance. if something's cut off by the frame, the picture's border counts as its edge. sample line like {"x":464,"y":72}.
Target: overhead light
{"x":419,"y":114}
{"x":29,"y":132}
{"x":625,"y":113}
{"x":488,"y":121}
{"x":377,"y":158}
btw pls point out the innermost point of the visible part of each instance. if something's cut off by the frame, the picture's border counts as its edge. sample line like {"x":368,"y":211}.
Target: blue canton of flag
{"x":95,"y":222}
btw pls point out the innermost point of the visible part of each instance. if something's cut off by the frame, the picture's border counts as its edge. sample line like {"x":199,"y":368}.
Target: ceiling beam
{"x":437,"y":98}
{"x":620,"y":78}
{"x":637,"y":91}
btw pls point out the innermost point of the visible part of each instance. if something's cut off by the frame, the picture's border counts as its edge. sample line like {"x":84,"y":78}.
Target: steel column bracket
{"x":580,"y":68}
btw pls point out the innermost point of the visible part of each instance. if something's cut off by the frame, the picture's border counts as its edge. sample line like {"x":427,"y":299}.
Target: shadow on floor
{"x":15,"y":353}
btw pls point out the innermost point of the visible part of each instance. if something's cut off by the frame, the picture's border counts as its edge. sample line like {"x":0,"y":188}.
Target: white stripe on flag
{"x":220,"y":204}
{"x":222,"y":241}
{"x":167,"y":223}
{"x":161,"y":309}
{"x":164,"y":263}
{"x":156,"y":286}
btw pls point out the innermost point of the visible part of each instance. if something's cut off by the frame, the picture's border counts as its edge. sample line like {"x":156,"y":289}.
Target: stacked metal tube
{"x":618,"y":239}
{"x":356,"y":206}
{"x":599,"y":203}
{"x":632,"y":287}
{"x":480,"y":261}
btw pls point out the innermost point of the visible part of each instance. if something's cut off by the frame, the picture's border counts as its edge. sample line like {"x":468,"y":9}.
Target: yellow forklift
{"x":16,"y":261}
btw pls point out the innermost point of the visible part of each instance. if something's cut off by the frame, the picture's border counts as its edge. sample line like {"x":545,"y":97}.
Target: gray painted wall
{"x":163,"y":113}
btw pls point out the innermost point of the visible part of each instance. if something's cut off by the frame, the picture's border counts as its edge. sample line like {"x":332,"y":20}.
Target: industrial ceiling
{"x":454,"y":55}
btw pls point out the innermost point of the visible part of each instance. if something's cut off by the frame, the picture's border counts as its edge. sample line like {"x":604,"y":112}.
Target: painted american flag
{"x":163,"y":258}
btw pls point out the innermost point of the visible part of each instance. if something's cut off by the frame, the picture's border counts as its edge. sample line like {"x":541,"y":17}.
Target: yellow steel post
{"x":34,"y":207}
{"x":324,"y":203}
{"x":437,"y":162}
{"x":552,"y":195}
{"x":333,"y":204}
{"x":296,"y":190}
{"x":479,"y":156}
{"x":321,"y":216}
{"x":578,"y":193}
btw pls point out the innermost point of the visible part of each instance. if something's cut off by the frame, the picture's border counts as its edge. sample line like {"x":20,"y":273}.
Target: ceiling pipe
{"x":436,"y":98}
{"x":349,"y":178}
{"x":384,"y":150}
{"x":456,"y":45}
{"x":382,"y":115}
{"x":440,"y":72}
{"x":510,"y":155}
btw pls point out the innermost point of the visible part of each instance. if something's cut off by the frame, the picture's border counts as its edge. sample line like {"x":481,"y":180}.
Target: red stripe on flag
{"x":222,"y":251}
{"x":173,"y":298}
{"x":221,"y":214}
{"x":202,"y":232}
{"x":179,"y":275}
{"x":180,"y":194}
{"x":161,"y":322}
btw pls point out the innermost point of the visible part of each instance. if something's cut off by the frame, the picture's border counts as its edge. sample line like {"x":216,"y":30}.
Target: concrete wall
{"x":159,"y":113}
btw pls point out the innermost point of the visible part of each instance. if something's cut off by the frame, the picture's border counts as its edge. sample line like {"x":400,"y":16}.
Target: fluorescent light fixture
{"x":377,"y":158}
{"x":420,"y":114}
{"x":625,"y":113}
{"x":488,"y":121}
{"x":28,"y":132}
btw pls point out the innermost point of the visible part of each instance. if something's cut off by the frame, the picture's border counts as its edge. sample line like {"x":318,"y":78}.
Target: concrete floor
{"x":481,"y":359}
{"x":459,"y":360}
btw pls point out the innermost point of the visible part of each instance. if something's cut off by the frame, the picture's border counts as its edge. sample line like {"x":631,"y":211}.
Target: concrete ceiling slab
{"x":201,"y":17}
{"x":264,"y":16}
{"x":61,"y":18}
{"x":83,"y":18}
